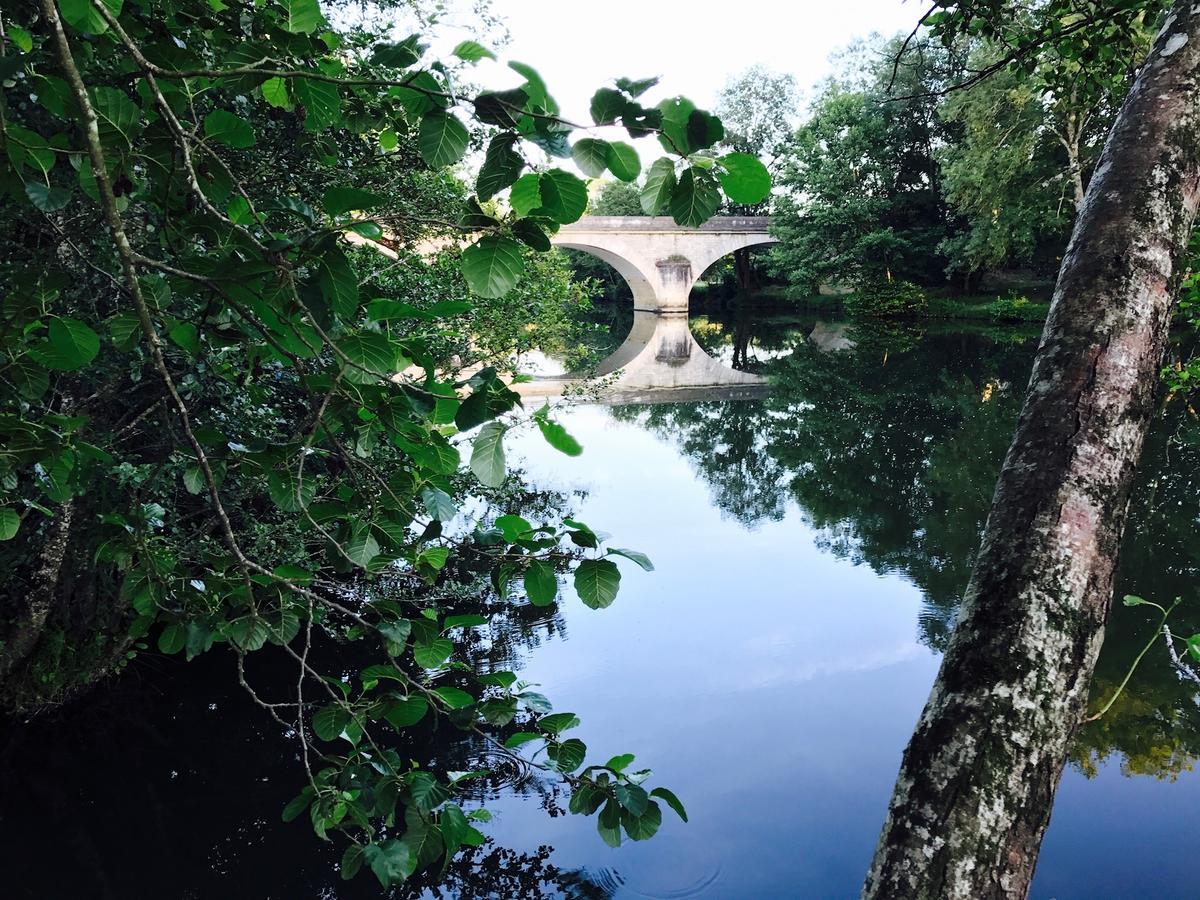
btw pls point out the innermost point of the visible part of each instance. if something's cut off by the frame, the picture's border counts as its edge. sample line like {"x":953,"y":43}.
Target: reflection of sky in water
{"x":773,"y":687}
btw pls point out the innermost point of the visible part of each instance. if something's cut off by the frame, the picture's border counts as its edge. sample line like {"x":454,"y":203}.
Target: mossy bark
{"x":978,"y":778}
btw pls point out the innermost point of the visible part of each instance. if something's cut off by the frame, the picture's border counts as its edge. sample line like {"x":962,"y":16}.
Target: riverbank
{"x":978,"y":307}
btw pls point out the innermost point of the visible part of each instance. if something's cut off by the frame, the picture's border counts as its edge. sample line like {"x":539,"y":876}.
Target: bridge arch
{"x":661,"y":261}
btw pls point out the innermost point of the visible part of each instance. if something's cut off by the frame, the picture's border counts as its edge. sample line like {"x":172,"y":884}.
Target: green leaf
{"x":493,"y":265}
{"x":513,"y":527}
{"x":438,"y":504}
{"x":608,"y":106}
{"x":71,"y":345}
{"x":249,"y":632}
{"x":173,"y":638}
{"x":623,"y":161}
{"x":374,"y":353}
{"x":472,"y":51}
{"x":635,"y":88}
{"x":352,"y":861}
{"x":556,"y":436}
{"x":426,"y":791}
{"x":643,"y":827}
{"x":455,"y":698}
{"x":487,"y":454}
{"x":275,"y":92}
{"x":534,"y":86}
{"x":186,"y":336}
{"x":118,"y":115}
{"x":541,"y":583}
{"x":1193,"y":645}
{"x":321,"y":101}
{"x":391,"y":861}
{"x":21,"y":38}
{"x":298,"y":804}
{"x":442,"y":139}
{"x":671,"y":800}
{"x":433,"y":654}
{"x":398,"y":54}
{"x":10,"y":523}
{"x":464,"y":621}
{"x":529,"y":233}
{"x":526,"y":195}
{"x":289,"y":494}
{"x":569,"y":755}
{"x":694,"y":199}
{"x":301,"y":16}
{"x":330,"y":721}
{"x":557,"y":723}
{"x":640,"y":558}
{"x":703,"y":130}
{"x":744,"y":178}
{"x":621,"y":762}
{"x":395,"y":633}
{"x":520,"y":738}
{"x":338,"y":283}
{"x":535,"y":702}
{"x":501,"y":166}
{"x":1132,"y":600}
{"x":632,"y":798}
{"x":660,"y":185}
{"x":361,"y":548}
{"x":564,"y":196}
{"x":226,"y":128}
{"x":406,"y":712}
{"x":338,"y":200}
{"x":45,"y":198}
{"x":80,"y":14}
{"x":597,"y":582}
{"x":609,"y":824}
{"x":591,"y":155}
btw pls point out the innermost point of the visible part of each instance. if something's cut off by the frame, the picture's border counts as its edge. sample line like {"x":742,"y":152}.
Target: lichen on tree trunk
{"x":976,"y":785}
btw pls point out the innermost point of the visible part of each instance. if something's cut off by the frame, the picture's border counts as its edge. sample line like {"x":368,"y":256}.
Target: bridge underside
{"x":661,"y":262}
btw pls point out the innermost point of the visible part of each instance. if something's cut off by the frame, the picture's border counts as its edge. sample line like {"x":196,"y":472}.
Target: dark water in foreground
{"x":810,"y":551}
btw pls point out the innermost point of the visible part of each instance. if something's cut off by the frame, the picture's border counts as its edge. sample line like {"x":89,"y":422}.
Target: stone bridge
{"x":661,"y":261}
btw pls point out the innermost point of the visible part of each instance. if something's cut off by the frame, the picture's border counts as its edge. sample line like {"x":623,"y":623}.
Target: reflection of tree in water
{"x":726,"y":444}
{"x":1154,"y":728}
{"x":171,"y":776}
{"x":891,"y":452}
{"x":892,"y":462}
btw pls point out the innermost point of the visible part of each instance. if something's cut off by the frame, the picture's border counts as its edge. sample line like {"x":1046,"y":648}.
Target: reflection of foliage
{"x":891,"y":452}
{"x":894,"y":456}
{"x":726,"y":443}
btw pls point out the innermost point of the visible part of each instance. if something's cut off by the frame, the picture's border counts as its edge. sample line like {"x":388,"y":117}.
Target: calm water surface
{"x":810,"y":550}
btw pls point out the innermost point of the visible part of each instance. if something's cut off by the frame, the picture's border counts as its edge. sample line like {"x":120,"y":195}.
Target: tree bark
{"x":975,"y":788}
{"x":743,"y":267}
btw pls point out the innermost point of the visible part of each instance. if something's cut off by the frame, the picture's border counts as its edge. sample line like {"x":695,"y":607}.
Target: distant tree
{"x":1030,"y":139}
{"x":758,"y":109}
{"x":861,"y":191}
{"x":616,"y":198}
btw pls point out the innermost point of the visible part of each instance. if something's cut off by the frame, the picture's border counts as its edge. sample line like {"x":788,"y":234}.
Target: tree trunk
{"x":743,"y":267}
{"x":975,"y":788}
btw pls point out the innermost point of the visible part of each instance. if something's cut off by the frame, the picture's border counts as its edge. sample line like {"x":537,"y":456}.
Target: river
{"x":810,"y":548}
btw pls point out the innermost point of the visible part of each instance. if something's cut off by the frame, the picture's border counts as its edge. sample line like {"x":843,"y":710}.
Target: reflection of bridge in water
{"x":661,"y":261}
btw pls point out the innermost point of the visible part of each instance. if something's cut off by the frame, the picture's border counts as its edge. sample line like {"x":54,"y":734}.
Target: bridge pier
{"x":661,"y":262}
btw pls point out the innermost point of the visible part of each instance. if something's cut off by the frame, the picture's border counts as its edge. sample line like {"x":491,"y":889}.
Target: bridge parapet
{"x":666,"y":225}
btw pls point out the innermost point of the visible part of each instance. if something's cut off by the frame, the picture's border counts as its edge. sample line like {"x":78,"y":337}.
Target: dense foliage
{"x":222,"y":424}
{"x":963,"y":149}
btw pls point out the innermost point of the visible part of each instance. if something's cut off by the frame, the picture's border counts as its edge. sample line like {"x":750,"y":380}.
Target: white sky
{"x":696,"y":47}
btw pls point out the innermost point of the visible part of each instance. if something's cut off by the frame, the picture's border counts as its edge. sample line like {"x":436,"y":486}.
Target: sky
{"x":695,"y":47}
